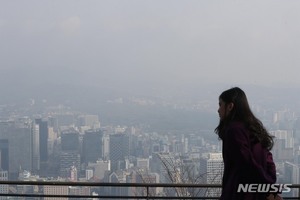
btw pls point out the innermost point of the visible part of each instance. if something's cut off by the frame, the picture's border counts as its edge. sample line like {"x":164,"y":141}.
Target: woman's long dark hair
{"x":242,"y":112}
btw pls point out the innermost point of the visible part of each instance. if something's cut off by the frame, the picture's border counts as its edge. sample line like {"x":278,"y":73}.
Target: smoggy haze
{"x":153,"y":43}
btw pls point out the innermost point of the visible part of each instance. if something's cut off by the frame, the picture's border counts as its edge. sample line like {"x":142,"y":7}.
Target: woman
{"x":246,"y":147}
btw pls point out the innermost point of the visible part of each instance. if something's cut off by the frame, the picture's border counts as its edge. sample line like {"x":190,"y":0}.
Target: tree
{"x":179,"y":170}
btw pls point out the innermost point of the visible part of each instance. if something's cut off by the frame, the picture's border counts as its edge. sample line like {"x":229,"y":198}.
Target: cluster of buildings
{"x":66,"y":146}
{"x":69,"y":146}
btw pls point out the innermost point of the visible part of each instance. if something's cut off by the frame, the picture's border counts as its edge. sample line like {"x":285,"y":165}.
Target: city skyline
{"x":79,"y":149}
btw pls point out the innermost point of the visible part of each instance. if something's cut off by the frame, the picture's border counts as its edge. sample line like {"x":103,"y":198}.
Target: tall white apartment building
{"x":211,"y":171}
{"x":292,"y":175}
{"x":286,"y":135}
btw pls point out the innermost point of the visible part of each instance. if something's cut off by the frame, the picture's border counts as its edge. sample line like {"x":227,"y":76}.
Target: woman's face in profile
{"x":223,"y":111}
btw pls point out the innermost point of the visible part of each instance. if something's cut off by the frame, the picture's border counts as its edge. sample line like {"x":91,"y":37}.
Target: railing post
{"x":147,"y":192}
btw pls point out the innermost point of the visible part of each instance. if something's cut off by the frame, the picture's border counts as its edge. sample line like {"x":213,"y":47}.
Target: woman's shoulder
{"x":236,"y":125}
{"x":236,"y":129}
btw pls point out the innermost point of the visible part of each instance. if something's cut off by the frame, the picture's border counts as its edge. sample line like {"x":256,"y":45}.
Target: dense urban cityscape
{"x":56,"y":143}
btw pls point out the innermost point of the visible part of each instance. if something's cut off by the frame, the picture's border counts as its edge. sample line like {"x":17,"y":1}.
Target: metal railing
{"x":147,"y":189}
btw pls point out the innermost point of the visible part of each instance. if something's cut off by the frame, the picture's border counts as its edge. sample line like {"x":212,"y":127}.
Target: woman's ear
{"x":230,"y":106}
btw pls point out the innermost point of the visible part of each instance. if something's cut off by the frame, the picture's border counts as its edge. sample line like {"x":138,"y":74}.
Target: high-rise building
{"x":211,"y":169}
{"x":35,"y":148}
{"x":69,"y":155}
{"x":105,"y":148}
{"x":19,"y":135}
{"x":292,"y":175}
{"x":283,"y":149}
{"x":286,"y":135}
{"x":92,"y":146}
{"x":43,"y":139}
{"x":118,"y":150}
{"x":53,"y":122}
{"x":67,"y":161}
{"x":52,"y":139}
{"x":70,"y":140}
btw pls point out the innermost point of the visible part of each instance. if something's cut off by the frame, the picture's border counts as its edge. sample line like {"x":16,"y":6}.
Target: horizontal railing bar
{"x":114,"y":197}
{"x":104,"y":197}
{"x":102,"y":184}
{"x":127,"y":185}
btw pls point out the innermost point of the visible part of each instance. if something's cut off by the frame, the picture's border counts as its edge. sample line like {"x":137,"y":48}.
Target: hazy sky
{"x":164,"y":41}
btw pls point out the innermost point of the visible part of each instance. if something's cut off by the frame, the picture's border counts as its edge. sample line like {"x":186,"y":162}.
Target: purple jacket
{"x":245,"y":161}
